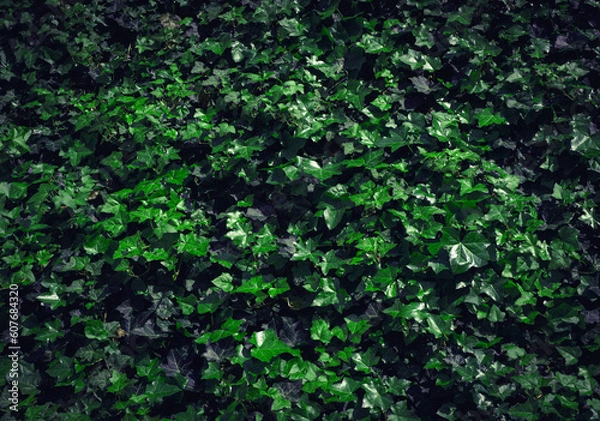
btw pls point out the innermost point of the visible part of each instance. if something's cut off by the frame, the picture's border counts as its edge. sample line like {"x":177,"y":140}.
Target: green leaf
{"x":412,"y":310}
{"x":240,"y":229}
{"x":375,"y":396}
{"x":268,"y":346}
{"x":61,"y":368}
{"x":582,"y":141}
{"x":586,"y":382}
{"x":444,"y":126}
{"x":192,"y":243}
{"x":366,"y":361}
{"x":320,"y":331}
{"x":158,"y":390}
{"x":539,"y":47}
{"x":525,"y":298}
{"x":332,"y":216}
{"x":148,"y":368}
{"x":357,"y":325}
{"x":231,"y":327}
{"x":570,"y":354}
{"x":51,"y":298}
{"x":213,"y":371}
{"x":293,"y":27}
{"x":417,"y":60}
{"x":216,"y":46}
{"x":330,"y":293}
{"x":321,"y":172}
{"x":50,"y":331}
{"x":486,"y":117}
{"x":344,"y":390}
{"x":440,"y":326}
{"x":306,"y":251}
{"x":19,"y":138}
{"x":95,"y":329}
{"x":513,"y":351}
{"x":13,"y":190}
{"x":279,"y":401}
{"x":395,"y":140}
{"x":156,"y":254}
{"x":496,"y":315}
{"x":252,"y":285}
{"x":209,"y":304}
{"x":463,"y":16}
{"x":373,"y":45}
{"x":527,"y":411}
{"x":223,"y":282}
{"x":421,"y":84}
{"x":278,"y":287}
{"x":329,"y":261}
{"x":469,"y":252}
{"x":129,"y":246}
{"x":119,"y":381}
{"x":266,"y":241}
{"x":187,"y":304}
{"x":383,"y":102}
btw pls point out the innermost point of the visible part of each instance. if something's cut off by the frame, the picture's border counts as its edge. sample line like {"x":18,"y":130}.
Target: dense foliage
{"x":295,"y":210}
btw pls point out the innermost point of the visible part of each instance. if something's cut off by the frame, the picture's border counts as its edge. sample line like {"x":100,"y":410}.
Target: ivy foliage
{"x":300,"y":210}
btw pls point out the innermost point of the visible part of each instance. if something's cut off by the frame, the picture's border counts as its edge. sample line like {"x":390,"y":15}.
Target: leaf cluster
{"x":302,"y":210}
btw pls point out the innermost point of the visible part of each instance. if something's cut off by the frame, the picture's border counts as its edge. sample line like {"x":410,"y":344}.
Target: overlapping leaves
{"x":354,"y":210}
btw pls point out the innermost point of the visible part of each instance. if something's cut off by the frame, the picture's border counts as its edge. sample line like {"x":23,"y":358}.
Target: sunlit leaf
{"x":268,"y":346}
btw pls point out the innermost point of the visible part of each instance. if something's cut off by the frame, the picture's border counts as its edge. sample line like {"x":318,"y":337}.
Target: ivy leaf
{"x":345,"y":389}
{"x":526,"y":411}
{"x":148,"y":368}
{"x":50,"y":331}
{"x":320,"y":331}
{"x":322,"y":172}
{"x":569,"y":353}
{"x":365,"y":361}
{"x":582,"y":141}
{"x":187,"y":304}
{"x":306,"y":251}
{"x":330,"y":293}
{"x":61,"y":368}
{"x":13,"y":190}
{"x":268,"y":346}
{"x":412,"y":310}
{"x":513,"y":351}
{"x":193,"y":244}
{"x":486,"y":117}
{"x":95,"y":329}
{"x":421,"y":84}
{"x":118,"y":380}
{"x":440,"y":326}
{"x":229,"y":328}
{"x":209,"y":304}
{"x":158,"y":390}
{"x":469,"y":252}
{"x":156,"y":254}
{"x":383,"y":102}
{"x":177,"y":362}
{"x":329,"y":261}
{"x":252,"y":286}
{"x":291,"y":333}
{"x":293,"y":27}
{"x":217,"y":352}
{"x":223,"y":282}
{"x":147,"y":330}
{"x":332,"y":216}
{"x":375,"y":396}
{"x":373,"y":45}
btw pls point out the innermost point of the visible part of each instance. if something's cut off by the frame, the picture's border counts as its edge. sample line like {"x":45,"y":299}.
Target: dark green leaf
{"x":268,"y":346}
